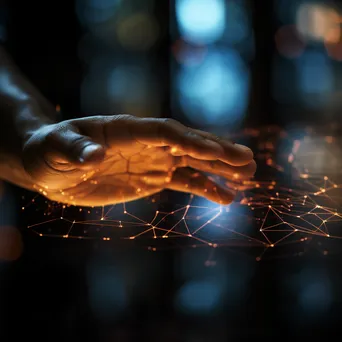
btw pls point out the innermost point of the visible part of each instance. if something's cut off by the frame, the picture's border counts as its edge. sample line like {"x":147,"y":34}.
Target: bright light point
{"x":188,"y":206}
{"x":326,"y":178}
{"x":209,"y":221}
{"x":22,"y":208}
{"x":296,"y":230}
{"x":61,"y":218}
{"x":65,"y":236}
{"x":269,"y":206}
{"x":102,"y":218}
{"x":132,"y":237}
{"x":298,"y":216}
{"x":165,"y":236}
{"x":189,"y":235}
{"x":201,"y":21}
{"x":272,"y":245}
{"x":183,"y":218}
{"x":324,"y":221}
{"x":327,"y":235}
{"x":125,"y":212}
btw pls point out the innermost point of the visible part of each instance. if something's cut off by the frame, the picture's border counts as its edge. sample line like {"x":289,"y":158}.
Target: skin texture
{"x":103,"y":160}
{"x":100,"y":160}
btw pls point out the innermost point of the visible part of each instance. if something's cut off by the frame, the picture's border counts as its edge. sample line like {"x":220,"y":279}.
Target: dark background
{"x":70,"y":290}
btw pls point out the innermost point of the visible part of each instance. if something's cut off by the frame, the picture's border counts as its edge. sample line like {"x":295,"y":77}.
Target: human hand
{"x":102,"y":160}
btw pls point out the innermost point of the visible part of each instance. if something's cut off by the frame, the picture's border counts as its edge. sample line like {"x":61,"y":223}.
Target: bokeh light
{"x":216,"y":91}
{"x":201,"y":21}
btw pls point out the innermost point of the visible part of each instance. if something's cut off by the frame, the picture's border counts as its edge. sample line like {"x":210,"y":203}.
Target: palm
{"x":125,"y":175}
{"x":139,"y":161}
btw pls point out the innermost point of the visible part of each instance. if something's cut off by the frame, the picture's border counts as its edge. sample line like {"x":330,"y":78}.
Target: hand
{"x":104,"y":160}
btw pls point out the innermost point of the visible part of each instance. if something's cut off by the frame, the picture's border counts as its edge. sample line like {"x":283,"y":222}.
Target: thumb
{"x":69,"y":145}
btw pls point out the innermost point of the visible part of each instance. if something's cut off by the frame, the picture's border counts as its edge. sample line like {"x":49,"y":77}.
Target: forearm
{"x":22,"y":110}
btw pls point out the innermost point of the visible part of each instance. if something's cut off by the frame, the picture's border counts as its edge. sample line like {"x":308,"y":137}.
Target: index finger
{"x":122,"y":130}
{"x":234,"y":154}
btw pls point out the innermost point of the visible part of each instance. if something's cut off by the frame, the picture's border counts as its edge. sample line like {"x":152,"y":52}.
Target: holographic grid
{"x":294,"y":199}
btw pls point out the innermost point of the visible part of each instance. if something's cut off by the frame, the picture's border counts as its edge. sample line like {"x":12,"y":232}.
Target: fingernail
{"x":214,"y":145}
{"x":92,"y":153}
{"x":243,"y":148}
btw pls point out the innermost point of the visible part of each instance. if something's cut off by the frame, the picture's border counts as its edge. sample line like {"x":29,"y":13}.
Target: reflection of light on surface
{"x":138,"y":31}
{"x":318,"y":22}
{"x":199,"y":297}
{"x":314,"y":74}
{"x":288,"y":42}
{"x":216,"y":91}
{"x":201,"y":21}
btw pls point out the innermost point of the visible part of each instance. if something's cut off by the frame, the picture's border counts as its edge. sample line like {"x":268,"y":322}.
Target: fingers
{"x":125,"y":129}
{"x":120,"y":131}
{"x":234,"y":154}
{"x":64,"y":144}
{"x":190,"y":181}
{"x":221,"y":169}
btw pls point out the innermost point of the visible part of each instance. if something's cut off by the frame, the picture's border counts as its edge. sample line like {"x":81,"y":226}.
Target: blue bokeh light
{"x":201,"y":21}
{"x":315,"y":77}
{"x":215,"y":92}
{"x":199,"y":297}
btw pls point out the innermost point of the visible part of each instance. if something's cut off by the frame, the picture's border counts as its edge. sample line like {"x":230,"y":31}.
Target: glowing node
{"x":102,"y":218}
{"x":125,"y":212}
{"x":272,"y":245}
{"x":61,"y":217}
{"x":132,"y":237}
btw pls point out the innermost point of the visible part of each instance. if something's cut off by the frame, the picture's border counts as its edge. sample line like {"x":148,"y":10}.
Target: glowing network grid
{"x":287,"y":204}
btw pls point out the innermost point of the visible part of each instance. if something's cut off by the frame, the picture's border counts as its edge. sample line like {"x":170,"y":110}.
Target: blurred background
{"x":217,"y":65}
